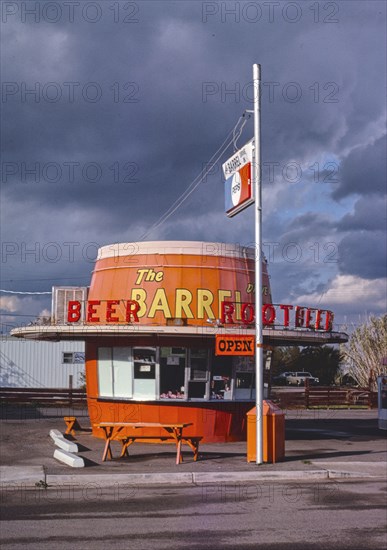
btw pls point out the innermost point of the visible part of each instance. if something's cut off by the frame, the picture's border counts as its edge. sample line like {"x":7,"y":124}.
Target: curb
{"x":31,"y":476}
{"x":184,"y":478}
{"x":27,"y":476}
{"x":353,"y":469}
{"x":244,"y":477}
{"x":120,"y":479}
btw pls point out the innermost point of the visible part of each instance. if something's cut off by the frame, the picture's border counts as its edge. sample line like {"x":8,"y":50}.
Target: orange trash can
{"x":273,"y":433}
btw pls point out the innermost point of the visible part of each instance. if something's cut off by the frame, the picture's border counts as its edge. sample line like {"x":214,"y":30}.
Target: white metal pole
{"x":258,"y":264}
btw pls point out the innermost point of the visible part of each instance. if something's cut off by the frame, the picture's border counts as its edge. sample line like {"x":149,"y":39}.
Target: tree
{"x":284,"y":359}
{"x":322,"y":362}
{"x":365,"y":351}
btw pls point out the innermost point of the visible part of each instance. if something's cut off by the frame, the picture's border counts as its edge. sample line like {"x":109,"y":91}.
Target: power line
{"x":198,"y":180}
{"x":45,"y":279}
{"x":19,"y":292}
{"x":230,"y":139}
{"x":22,"y":315}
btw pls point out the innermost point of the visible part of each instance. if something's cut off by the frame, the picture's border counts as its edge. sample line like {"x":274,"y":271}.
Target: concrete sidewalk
{"x":321,"y":444}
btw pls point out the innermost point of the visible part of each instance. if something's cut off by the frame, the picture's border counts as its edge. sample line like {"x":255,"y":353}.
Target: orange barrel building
{"x":170,"y":336}
{"x":156,"y":308}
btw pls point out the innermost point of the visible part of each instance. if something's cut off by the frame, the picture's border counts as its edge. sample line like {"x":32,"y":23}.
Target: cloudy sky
{"x":111,"y":109}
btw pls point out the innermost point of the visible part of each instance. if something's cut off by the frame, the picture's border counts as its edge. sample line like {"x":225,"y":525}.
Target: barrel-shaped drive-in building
{"x":169,"y":333}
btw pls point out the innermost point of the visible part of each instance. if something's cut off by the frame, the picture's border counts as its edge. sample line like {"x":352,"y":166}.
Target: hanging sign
{"x":238,"y":160}
{"x":238,"y":188}
{"x":238,"y":191}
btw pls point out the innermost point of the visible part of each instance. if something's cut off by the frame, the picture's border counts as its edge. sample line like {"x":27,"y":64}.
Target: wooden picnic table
{"x":113,"y":431}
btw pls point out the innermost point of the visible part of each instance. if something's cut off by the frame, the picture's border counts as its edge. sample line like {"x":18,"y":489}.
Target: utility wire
{"x":230,"y":139}
{"x":18,"y":292}
{"x":45,"y":279}
{"x":23,"y":315}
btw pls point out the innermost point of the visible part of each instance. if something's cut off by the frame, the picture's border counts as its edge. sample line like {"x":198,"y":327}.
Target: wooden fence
{"x":304,"y":398}
{"x":46,"y":396}
{"x":312,"y":397}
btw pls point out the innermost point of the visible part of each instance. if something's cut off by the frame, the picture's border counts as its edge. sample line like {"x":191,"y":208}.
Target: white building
{"x":39,"y":364}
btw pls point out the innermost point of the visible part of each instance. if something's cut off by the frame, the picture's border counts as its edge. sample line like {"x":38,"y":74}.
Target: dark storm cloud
{"x":171,"y":121}
{"x":370,"y":214}
{"x":363,"y":171}
{"x":309,"y":239}
{"x":363,"y":249}
{"x":171,"y":86}
{"x":310,"y":222}
{"x":143,"y":117}
{"x":364,"y":254}
{"x":290,"y":280}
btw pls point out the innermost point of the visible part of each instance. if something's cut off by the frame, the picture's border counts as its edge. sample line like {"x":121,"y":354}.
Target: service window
{"x":244,"y":385}
{"x":244,"y":369}
{"x":221,"y":378}
{"x":144,"y":372}
{"x":115,"y":372}
{"x":198,"y":383}
{"x":144,"y":378}
{"x":172,"y":373}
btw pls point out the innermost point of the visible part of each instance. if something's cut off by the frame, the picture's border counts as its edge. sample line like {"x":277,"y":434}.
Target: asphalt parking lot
{"x":346,"y":440}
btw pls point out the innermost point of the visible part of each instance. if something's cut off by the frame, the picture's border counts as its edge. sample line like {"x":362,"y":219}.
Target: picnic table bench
{"x":72,"y":425}
{"x":113,"y":431}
